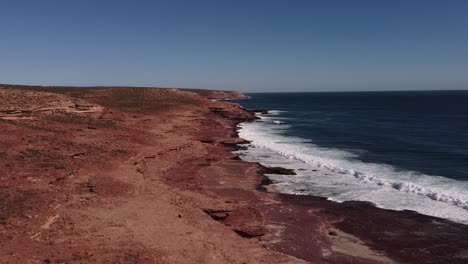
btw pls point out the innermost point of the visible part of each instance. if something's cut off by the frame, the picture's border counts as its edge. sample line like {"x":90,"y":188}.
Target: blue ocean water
{"x":399,"y":150}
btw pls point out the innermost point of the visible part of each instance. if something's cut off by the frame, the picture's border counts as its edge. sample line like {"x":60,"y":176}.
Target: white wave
{"x":278,"y":122}
{"x":340,"y":176}
{"x":275,"y":112}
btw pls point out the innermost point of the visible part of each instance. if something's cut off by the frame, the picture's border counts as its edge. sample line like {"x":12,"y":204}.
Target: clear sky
{"x":242,"y":45}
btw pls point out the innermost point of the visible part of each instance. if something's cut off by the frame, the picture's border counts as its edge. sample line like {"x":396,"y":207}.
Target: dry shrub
{"x":144,"y":99}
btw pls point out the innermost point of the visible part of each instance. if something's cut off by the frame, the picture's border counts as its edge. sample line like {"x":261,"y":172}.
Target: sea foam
{"x":341,"y":176}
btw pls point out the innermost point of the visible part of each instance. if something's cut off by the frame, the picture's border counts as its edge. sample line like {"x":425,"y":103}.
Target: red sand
{"x":120,"y":175}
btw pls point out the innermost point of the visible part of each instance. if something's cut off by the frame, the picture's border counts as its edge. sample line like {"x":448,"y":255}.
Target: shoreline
{"x":263,"y":144}
{"x":127,"y":175}
{"x":383,"y":230}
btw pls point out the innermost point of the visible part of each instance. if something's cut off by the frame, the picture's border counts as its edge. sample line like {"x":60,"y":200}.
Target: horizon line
{"x":228,"y":90}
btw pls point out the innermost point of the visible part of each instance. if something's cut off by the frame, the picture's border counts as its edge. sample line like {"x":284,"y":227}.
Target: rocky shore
{"x":141,"y":175}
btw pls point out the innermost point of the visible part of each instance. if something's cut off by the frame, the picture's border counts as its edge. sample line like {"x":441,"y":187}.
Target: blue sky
{"x":241,"y":45}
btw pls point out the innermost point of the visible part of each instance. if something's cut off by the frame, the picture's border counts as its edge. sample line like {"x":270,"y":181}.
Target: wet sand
{"x":130,"y":175}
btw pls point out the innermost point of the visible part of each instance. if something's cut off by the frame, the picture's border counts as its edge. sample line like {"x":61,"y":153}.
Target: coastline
{"x":405,"y":236}
{"x":171,"y":190}
{"x":106,"y":175}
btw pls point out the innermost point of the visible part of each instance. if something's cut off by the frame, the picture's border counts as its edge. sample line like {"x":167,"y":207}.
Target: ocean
{"x":398,"y":150}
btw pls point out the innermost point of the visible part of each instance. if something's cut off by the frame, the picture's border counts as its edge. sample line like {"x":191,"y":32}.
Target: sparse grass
{"x":14,"y":202}
{"x":30,"y":125}
{"x":81,"y":120}
{"x":144,"y":99}
{"x":129,"y":99}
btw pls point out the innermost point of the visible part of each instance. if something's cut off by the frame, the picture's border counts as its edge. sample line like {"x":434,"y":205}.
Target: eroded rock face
{"x":246,"y":222}
{"x":25,"y":104}
{"x":276,"y":170}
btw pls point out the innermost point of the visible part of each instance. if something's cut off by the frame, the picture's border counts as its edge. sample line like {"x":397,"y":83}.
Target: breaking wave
{"x":351,"y":179}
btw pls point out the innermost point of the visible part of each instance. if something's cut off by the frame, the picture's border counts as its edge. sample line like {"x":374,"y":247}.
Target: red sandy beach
{"x":142,"y":175}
